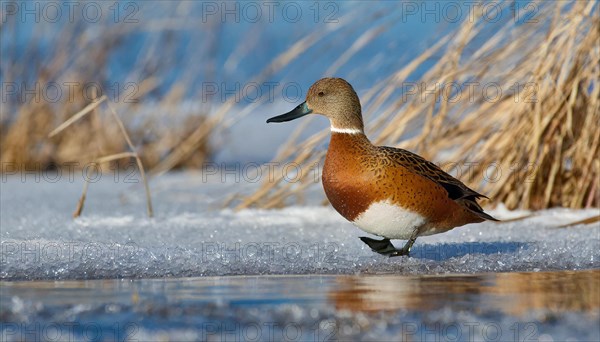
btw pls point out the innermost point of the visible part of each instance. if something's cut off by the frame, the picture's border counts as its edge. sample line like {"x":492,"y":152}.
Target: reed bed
{"x":527,"y":135}
{"x":533,"y":146}
{"x":78,"y":58}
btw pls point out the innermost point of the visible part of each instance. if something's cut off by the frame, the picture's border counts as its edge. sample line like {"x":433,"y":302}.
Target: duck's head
{"x":334,"y":98}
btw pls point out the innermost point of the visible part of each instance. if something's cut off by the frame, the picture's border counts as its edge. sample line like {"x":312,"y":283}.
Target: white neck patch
{"x":345,"y":130}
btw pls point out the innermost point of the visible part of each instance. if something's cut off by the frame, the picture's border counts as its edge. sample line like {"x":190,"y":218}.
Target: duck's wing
{"x":457,"y":191}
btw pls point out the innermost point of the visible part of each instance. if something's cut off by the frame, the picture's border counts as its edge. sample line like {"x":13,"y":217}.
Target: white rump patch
{"x":345,"y":130}
{"x":389,"y":220}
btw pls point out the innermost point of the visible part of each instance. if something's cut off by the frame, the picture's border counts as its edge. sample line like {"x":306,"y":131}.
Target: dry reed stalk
{"x":543,"y":134}
{"x":88,"y":109}
{"x":81,"y":200}
{"x":588,"y":220}
{"x":137,"y":159}
{"x":132,"y":154}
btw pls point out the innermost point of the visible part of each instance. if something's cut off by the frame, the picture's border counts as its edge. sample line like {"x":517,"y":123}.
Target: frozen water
{"x":539,"y":306}
{"x":191,"y":236}
{"x":377,"y":298}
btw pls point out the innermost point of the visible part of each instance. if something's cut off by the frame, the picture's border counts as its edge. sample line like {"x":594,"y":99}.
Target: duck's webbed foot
{"x":385,"y":246}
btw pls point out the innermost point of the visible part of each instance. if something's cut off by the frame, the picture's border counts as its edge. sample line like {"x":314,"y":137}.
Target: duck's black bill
{"x":295,"y":113}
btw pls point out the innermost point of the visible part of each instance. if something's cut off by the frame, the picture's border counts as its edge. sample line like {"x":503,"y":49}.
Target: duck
{"x":385,"y":191}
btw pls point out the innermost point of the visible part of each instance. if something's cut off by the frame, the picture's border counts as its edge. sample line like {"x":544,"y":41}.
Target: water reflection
{"x":510,"y":293}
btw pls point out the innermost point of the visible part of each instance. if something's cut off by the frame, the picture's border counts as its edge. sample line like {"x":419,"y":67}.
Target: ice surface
{"x":191,"y":236}
{"x":377,"y":298}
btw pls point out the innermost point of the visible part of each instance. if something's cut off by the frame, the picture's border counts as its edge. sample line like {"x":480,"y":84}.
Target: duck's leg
{"x":385,"y":247}
{"x":406,"y":249}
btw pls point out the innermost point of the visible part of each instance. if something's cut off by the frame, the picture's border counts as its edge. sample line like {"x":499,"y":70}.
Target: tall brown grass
{"x":78,"y":56}
{"x":534,"y":146}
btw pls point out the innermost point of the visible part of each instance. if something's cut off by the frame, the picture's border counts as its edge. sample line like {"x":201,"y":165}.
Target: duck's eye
{"x":321,"y":94}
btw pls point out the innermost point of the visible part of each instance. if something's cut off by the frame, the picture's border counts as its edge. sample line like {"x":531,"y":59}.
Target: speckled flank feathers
{"x":357,"y":173}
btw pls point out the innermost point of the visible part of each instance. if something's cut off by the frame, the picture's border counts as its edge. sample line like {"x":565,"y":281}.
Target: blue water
{"x":495,"y":307}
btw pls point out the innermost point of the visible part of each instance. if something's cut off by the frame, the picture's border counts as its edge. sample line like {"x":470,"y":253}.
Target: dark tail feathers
{"x":474,"y":207}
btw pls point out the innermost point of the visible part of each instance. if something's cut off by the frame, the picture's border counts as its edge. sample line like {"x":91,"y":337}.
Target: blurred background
{"x":503,"y":95}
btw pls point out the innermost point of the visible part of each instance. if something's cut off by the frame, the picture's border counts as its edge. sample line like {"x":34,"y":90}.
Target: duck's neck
{"x":347,"y":123}
{"x":348,"y":137}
